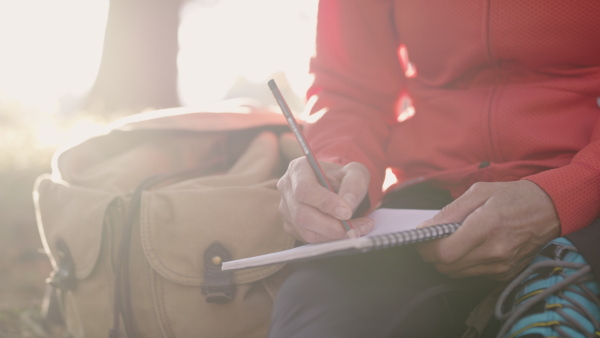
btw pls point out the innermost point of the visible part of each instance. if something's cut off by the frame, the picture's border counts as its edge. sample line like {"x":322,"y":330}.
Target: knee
{"x":305,"y":300}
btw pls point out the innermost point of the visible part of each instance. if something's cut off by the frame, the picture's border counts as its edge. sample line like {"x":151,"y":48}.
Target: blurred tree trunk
{"x":139,"y":61}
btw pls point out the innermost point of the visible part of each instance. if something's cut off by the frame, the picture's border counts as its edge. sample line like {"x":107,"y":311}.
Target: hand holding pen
{"x":317,"y":213}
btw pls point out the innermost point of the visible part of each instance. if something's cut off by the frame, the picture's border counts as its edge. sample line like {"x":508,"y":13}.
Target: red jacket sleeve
{"x":357,"y":79}
{"x":575,"y":188}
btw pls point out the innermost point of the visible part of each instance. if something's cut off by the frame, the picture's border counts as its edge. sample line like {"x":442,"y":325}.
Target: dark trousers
{"x":386,"y":293}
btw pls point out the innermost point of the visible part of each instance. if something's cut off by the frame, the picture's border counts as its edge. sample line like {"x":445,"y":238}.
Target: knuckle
{"x":281,"y":184}
{"x":295,"y":163}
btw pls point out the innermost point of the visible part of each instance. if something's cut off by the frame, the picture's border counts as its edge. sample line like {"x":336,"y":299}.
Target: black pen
{"x":314,"y":164}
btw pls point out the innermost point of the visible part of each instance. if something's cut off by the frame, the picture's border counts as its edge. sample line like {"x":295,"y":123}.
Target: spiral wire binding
{"x":414,"y":236}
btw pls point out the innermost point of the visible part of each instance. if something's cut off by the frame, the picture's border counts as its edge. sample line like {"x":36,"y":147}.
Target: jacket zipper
{"x":490,"y":146}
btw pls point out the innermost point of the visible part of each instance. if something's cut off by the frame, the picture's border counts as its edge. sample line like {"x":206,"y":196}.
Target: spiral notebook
{"x":393,"y":227}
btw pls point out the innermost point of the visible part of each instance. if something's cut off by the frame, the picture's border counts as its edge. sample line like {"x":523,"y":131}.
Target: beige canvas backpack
{"x":137,"y":221}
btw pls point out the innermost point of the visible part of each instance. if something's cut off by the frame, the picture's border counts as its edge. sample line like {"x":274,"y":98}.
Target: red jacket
{"x":501,"y":90}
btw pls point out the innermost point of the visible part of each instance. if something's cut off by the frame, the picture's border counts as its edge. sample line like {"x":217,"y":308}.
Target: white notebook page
{"x":386,"y":221}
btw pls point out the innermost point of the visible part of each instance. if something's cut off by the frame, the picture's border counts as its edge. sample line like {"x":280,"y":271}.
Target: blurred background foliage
{"x":69,"y":67}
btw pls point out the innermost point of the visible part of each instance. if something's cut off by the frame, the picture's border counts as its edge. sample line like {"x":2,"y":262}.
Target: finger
{"x":485,"y":254}
{"x":309,"y":235}
{"x":491,"y":253}
{"x":308,"y":219}
{"x":363,"y":224}
{"x":287,"y":225}
{"x":463,"y":206}
{"x":354,"y":184}
{"x":305,"y":235}
{"x":312,"y":226}
{"x":305,"y":189}
{"x":284,"y":187}
{"x":471,"y":234}
{"x":312,"y":194}
{"x":504,"y":271}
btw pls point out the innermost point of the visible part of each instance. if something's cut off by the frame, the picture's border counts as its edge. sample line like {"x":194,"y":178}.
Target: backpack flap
{"x":73,"y":215}
{"x":238,"y":209}
{"x":182,"y":224}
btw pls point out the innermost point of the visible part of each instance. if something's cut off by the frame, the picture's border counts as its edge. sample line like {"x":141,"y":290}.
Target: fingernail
{"x":343,"y":213}
{"x":365,"y":229}
{"x":365,"y":226}
{"x":353,"y":233}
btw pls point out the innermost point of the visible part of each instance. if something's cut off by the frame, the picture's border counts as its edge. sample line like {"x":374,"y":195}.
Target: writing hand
{"x":312,"y":213}
{"x":504,"y":225}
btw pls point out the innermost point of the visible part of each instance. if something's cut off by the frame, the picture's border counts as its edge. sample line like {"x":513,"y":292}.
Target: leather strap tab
{"x":218,"y":285}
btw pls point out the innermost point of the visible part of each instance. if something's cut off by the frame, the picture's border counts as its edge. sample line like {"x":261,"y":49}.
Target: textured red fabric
{"x":502,"y":90}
